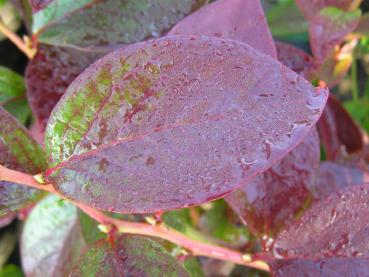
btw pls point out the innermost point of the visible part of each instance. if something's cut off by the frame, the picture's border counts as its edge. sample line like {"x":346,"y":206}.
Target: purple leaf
{"x":338,"y":131}
{"x":328,"y":267}
{"x":129,"y":256}
{"x":310,"y":8}
{"x":18,"y":151}
{"x":175,"y":122}
{"x":329,"y":28}
{"x":49,"y":74}
{"x":295,"y":58}
{"x":336,"y":226}
{"x":234,"y":19}
{"x":334,"y":177}
{"x":273,"y":198}
{"x":39,"y":4}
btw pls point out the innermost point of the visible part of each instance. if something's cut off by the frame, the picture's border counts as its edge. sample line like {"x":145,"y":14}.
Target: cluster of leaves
{"x":150,"y":106}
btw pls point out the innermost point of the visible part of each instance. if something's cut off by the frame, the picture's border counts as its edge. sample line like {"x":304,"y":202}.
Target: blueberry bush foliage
{"x":185,"y":138}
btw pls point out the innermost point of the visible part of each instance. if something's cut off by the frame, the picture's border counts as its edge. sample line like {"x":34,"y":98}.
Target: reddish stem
{"x":162,"y":231}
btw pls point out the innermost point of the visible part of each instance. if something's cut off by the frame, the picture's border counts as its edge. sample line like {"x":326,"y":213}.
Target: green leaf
{"x":193,"y":267}
{"x":51,"y":241}
{"x":90,"y":231}
{"x":129,"y":256}
{"x":216,"y":222}
{"x":11,"y":270}
{"x":286,"y":22}
{"x":18,"y":151}
{"x":86,"y":24}
{"x":11,"y":85}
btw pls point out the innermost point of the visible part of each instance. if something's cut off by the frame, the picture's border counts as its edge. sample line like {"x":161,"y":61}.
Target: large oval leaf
{"x":337,"y":226}
{"x":234,"y":19}
{"x":273,"y":198}
{"x":111,"y":22}
{"x":51,"y":241}
{"x":175,"y":122}
{"x":18,"y":151}
{"x":130,"y":256}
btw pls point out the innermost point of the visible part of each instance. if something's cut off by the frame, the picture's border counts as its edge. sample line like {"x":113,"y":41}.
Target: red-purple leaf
{"x":234,"y":19}
{"x":338,"y":131}
{"x":310,"y":8}
{"x":175,"y":122}
{"x":335,"y":177}
{"x":273,"y":198}
{"x":39,"y":4}
{"x":18,"y":151}
{"x":336,"y":226}
{"x":329,"y":28}
{"x":295,"y":58}
{"x":129,"y":256}
{"x":328,"y":267}
{"x":49,"y":74}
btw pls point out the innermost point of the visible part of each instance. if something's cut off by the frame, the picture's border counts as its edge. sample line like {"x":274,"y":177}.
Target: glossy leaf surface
{"x":49,"y":74}
{"x":18,"y":151}
{"x":337,"y":226}
{"x":234,"y":19}
{"x":338,"y":131}
{"x":130,"y":256}
{"x":310,"y":8}
{"x":295,"y":58}
{"x":127,"y":22}
{"x":272,"y":199}
{"x":329,"y":28}
{"x":332,"y":267}
{"x":184,"y":118}
{"x":52,"y":228}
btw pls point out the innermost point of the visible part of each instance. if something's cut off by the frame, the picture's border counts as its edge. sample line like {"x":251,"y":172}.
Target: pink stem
{"x":162,"y":231}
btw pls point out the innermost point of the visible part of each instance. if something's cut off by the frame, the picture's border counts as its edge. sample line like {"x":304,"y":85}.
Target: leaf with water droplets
{"x":18,"y":151}
{"x":295,"y":58}
{"x":234,"y":19}
{"x":49,"y":74}
{"x":51,"y":240}
{"x":170,"y":123}
{"x":338,"y":131}
{"x":272,"y":199}
{"x":329,"y":28}
{"x":96,"y":24}
{"x":129,"y":256}
{"x":332,"y":267}
{"x":336,"y":226}
{"x":310,"y":8}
